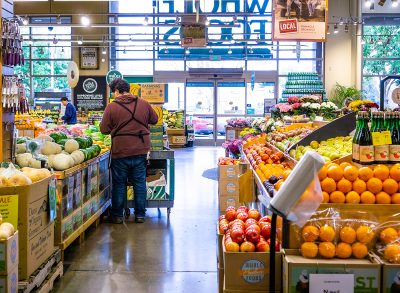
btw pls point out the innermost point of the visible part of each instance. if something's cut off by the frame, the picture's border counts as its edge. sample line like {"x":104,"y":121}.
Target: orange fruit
{"x":367,"y":197}
{"x":348,"y":235}
{"x":396,"y":198}
{"x":344,"y":165}
{"x":360,"y":250}
{"x":325,"y":196}
{"x":310,"y":233}
{"x":327,"y":249}
{"x":286,"y":174}
{"x":278,"y":184}
{"x":343,"y":250}
{"x":328,"y":185}
{"x":335,"y":172}
{"x":323,"y":173}
{"x":365,"y":234}
{"x":331,"y":164}
{"x":337,"y":197}
{"x":350,"y":173}
{"x":374,"y":185}
{"x":359,"y":186}
{"x":309,"y":249}
{"x":345,"y":185}
{"x":381,"y":172}
{"x":392,"y":253}
{"x":383,"y":198}
{"x":327,"y":233}
{"x":395,"y":172}
{"x":365,"y":173}
{"x":388,"y":235}
{"x":390,"y":186}
{"x":353,"y":197}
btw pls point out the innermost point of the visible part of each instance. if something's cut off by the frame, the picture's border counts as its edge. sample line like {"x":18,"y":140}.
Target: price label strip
{"x":381,"y":138}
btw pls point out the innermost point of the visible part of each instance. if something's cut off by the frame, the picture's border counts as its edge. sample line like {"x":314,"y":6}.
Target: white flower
{"x":315,"y":106}
{"x":306,"y":105}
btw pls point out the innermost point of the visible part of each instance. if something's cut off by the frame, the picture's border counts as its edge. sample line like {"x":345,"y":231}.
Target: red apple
{"x":266,"y":230}
{"x":230,"y":214}
{"x":247,"y":246}
{"x":232,"y":247}
{"x":237,"y":235}
{"x":223,"y":228}
{"x":242,"y":216}
{"x":265,"y":219}
{"x":253,"y":235}
{"x":242,"y":209}
{"x":222,"y":217}
{"x":237,"y":222}
{"x":254,"y":214}
{"x":249,"y":222}
{"x":262,"y":246}
{"x":255,"y":227}
{"x":224,"y":221}
{"x":277,"y":245}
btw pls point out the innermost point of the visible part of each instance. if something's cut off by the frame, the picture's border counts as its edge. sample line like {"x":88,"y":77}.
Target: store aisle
{"x":157,"y":256}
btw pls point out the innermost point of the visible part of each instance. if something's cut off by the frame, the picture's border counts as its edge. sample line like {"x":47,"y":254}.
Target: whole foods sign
{"x":90,"y":93}
{"x":113,"y":74}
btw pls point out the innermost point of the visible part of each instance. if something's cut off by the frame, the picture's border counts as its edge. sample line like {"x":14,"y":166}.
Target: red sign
{"x":187,"y":41}
{"x":288,"y":26}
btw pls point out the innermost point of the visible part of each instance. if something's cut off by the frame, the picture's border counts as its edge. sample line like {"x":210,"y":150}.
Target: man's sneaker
{"x":140,"y":219}
{"x":113,"y":220}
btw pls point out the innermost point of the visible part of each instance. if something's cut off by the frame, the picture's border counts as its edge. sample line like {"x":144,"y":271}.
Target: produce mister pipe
{"x":382,"y":84}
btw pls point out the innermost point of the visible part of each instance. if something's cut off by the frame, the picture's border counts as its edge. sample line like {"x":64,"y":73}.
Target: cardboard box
{"x":65,"y":227}
{"x":8,"y":254}
{"x":34,"y":252}
{"x":228,"y":200}
{"x":390,"y":276}
{"x":367,"y":272}
{"x":220,"y":251}
{"x":249,"y":271}
{"x":220,"y":280}
{"x":9,"y":283}
{"x":90,"y":208}
{"x":228,"y":172}
{"x":178,"y":139}
{"x":245,"y":291}
{"x":230,"y":188}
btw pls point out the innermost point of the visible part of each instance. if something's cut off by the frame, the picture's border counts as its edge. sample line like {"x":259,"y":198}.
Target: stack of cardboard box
{"x":9,"y":264}
{"x":228,"y":186}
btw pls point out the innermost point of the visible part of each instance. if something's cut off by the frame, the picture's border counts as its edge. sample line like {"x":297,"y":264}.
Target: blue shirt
{"x":70,"y":114}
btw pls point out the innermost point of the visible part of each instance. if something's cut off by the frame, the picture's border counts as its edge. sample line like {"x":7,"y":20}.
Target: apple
{"x":250,"y":221}
{"x":242,"y":209}
{"x":247,"y":246}
{"x":237,"y":235}
{"x":232,"y":247}
{"x":242,"y":216}
{"x":255,"y":227}
{"x":223,"y":228}
{"x":254,"y":214}
{"x":224,"y":221}
{"x":262,"y":246}
{"x":266,"y":219}
{"x":222,"y":217}
{"x":266,"y":230}
{"x":237,"y":222}
{"x":277,"y":245}
{"x":230,"y":214}
{"x":252,"y":235}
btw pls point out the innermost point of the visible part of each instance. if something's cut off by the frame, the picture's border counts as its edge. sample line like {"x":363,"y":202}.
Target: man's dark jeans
{"x":134,"y":169}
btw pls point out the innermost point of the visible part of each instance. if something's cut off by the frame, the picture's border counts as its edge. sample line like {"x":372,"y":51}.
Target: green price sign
{"x":113,"y":74}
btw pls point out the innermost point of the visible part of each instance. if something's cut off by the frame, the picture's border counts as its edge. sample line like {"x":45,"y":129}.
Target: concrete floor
{"x":157,"y":256}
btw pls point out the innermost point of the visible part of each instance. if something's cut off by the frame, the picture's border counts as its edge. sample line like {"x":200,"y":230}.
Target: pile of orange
{"x":346,"y":183}
{"x":329,"y":242}
{"x":390,"y":239}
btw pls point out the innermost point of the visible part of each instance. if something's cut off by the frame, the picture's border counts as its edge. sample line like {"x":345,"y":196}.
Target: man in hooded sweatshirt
{"x":127,"y":119}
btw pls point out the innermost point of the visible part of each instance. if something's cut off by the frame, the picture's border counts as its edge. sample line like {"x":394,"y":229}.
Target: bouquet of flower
{"x":233,"y":146}
{"x":238,"y":122}
{"x":328,"y":110}
{"x":310,"y":99}
{"x":293,"y":100}
{"x":247,"y":131}
{"x":362,"y":105}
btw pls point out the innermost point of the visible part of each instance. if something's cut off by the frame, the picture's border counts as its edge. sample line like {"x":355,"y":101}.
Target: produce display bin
{"x":160,"y":162}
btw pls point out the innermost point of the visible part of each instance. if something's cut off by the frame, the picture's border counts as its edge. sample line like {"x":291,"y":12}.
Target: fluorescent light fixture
{"x":146,"y":21}
{"x":395,"y":3}
{"x":85,"y":20}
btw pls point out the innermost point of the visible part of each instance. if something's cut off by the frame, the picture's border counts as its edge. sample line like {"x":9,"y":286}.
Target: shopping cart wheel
{"x":127,"y":213}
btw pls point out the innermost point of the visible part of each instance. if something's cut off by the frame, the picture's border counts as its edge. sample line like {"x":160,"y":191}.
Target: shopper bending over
{"x":127,"y":119}
{"x":70,"y":112}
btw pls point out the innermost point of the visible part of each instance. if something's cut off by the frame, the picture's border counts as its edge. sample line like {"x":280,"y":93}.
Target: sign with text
{"x":153,"y":92}
{"x":113,"y":74}
{"x":329,"y":283}
{"x":9,"y":209}
{"x":90,"y":93}
{"x":293,"y":21}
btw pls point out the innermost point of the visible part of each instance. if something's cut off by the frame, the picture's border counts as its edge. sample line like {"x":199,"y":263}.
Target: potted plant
{"x":342,"y":95}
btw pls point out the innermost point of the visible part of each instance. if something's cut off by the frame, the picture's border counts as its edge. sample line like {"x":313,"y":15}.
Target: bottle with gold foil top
{"x":356,"y":146}
{"x":394,"y":148}
{"x":381,"y":153}
{"x":365,"y":141}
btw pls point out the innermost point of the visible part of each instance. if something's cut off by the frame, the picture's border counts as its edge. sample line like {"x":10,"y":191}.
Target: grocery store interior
{"x":273,"y":164}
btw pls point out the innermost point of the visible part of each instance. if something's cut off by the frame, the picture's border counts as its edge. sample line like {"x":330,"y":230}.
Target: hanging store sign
{"x":90,"y":93}
{"x":113,"y":74}
{"x":89,"y":58}
{"x":153,"y":92}
{"x":293,"y":21}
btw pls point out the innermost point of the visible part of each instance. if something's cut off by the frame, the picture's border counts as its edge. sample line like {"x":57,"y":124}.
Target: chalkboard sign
{"x":90,"y":93}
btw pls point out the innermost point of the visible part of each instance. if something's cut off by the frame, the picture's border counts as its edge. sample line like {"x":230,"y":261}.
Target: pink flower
{"x":293,"y":100}
{"x":283,"y":108}
{"x":296,"y":105}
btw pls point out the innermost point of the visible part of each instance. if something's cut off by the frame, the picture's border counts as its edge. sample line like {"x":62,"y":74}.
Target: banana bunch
{"x":174,"y":119}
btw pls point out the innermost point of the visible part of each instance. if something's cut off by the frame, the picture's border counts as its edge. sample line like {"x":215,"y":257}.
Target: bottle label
{"x":394,"y":153}
{"x":381,"y":153}
{"x":366,"y":153}
{"x":356,"y":152}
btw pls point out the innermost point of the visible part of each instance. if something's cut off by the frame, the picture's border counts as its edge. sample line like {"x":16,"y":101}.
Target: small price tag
{"x":321,"y":283}
{"x":381,"y":138}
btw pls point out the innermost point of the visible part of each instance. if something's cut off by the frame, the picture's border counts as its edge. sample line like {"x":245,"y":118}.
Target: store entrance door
{"x":211,"y":102}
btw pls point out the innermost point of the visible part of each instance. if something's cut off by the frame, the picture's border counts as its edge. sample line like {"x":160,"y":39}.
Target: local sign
{"x":90,"y":93}
{"x":113,"y":74}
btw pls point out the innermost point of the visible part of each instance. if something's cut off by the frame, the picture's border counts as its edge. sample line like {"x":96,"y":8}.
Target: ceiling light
{"x":103,"y":60}
{"x":124,"y":51}
{"x":362,"y":42}
{"x":62,"y":50}
{"x":55,"y":41}
{"x":368,"y":3}
{"x":346,"y":28}
{"x":335,"y":28}
{"x":341,"y":21}
{"x":251,"y":50}
{"x":177,"y":20}
{"x":104,"y":51}
{"x":355,"y":22}
{"x":146,"y":21}
{"x":395,"y":3}
{"x":230,"y":51}
{"x":327,"y":31}
{"x":210,"y":51}
{"x":379,"y":42}
{"x":382,"y":2}
{"x":187,"y":51}
{"x":80,"y":41}
{"x":207,"y":22}
{"x":25,"y":20}
{"x":58,"y":19}
{"x":115,"y":19}
{"x":85,"y":20}
{"x":166,"y":51}
{"x":233,"y":41}
{"x":30,"y":41}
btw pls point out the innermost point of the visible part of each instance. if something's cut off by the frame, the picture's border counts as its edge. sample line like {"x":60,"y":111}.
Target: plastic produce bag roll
{"x":301,"y":194}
